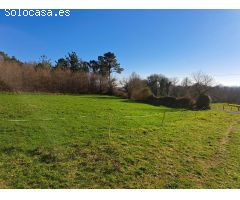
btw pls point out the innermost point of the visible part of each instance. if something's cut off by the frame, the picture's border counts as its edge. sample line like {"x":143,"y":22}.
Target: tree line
{"x":160,"y":90}
{"x":70,"y":74}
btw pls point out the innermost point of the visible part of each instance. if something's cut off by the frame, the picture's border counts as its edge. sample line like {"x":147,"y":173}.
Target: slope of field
{"x":64,"y":141}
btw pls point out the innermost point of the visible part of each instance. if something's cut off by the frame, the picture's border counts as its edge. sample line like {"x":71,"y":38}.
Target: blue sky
{"x":171,"y":42}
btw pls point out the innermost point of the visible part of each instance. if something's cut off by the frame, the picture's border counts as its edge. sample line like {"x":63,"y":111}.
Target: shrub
{"x":184,"y":102}
{"x":120,"y":93}
{"x":203,"y":102}
{"x":152,"y":100}
{"x":4,"y":86}
{"x":167,"y":101}
{"x":133,"y":85}
{"x":141,"y":94}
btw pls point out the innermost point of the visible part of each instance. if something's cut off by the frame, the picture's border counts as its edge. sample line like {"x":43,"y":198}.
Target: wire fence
{"x":231,"y":108}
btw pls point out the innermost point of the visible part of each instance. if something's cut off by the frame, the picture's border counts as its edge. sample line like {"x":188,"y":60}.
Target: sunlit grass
{"x":87,"y":141}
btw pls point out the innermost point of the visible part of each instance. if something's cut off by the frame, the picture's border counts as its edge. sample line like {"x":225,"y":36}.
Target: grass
{"x":226,"y":107}
{"x":64,"y":141}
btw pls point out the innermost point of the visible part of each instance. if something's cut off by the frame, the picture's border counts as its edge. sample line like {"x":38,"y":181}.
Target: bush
{"x":167,"y":101}
{"x":120,"y":93}
{"x":184,"y":102}
{"x":203,"y":102}
{"x":141,"y":94}
{"x":152,"y":100}
{"x":4,"y":86}
{"x":133,"y":85}
{"x":171,"y":102}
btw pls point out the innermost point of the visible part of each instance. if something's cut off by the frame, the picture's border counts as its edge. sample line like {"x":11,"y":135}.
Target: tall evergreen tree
{"x":77,"y":64}
{"x":84,"y":66}
{"x":107,"y":65}
{"x":94,"y":66}
{"x":62,"y":63}
{"x":73,"y":61}
{"x":110,"y":64}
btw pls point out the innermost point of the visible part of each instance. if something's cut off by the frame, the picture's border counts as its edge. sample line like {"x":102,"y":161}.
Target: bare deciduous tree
{"x":201,"y":82}
{"x":186,"y":82}
{"x":134,"y":84}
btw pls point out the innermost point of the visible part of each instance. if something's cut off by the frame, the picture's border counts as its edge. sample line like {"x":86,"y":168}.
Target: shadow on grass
{"x":98,"y":96}
{"x":164,"y":108}
{"x":160,"y":108}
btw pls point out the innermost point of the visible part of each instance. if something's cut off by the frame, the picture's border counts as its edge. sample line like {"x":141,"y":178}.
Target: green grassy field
{"x":64,"y":141}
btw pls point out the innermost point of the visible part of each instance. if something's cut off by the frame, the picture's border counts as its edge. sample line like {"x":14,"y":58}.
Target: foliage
{"x":97,"y":76}
{"x":62,"y":63}
{"x":172,"y":102}
{"x":108,"y":64}
{"x":27,"y":78}
{"x":120,"y":93}
{"x":133,"y":84}
{"x":141,"y":94}
{"x":70,"y":75}
{"x":159,"y":84}
{"x":75,"y":63}
{"x":167,"y":101}
{"x":184,"y":102}
{"x":6,"y":57}
{"x":44,"y":63}
{"x":203,"y":102}
{"x":4,"y":86}
{"x":225,"y":94}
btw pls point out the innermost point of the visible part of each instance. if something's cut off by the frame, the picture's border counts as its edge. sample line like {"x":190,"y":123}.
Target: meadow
{"x":94,"y":141}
